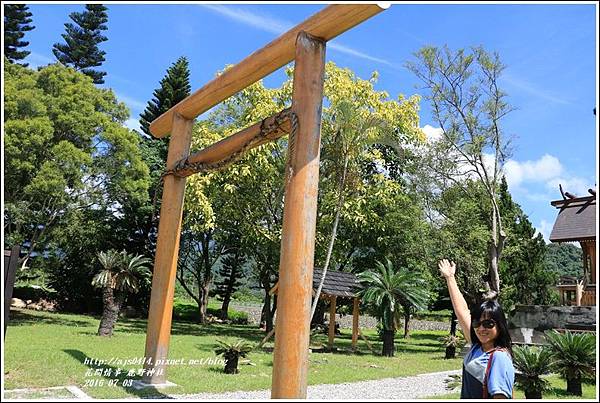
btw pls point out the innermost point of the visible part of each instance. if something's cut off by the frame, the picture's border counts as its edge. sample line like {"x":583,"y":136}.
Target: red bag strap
{"x":487,"y":373}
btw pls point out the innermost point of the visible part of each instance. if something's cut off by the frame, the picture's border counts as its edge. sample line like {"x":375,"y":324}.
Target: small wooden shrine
{"x":576,"y":222}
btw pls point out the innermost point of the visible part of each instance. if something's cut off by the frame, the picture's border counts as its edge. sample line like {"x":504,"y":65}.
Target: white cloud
{"x":133,"y":104}
{"x":531,"y":89}
{"x":278,"y":27}
{"x":36,"y":60}
{"x":541,"y":170}
{"x":574,"y":185}
{"x":133,"y":124}
{"x":352,"y":52}
{"x":545,"y":228}
{"x":263,"y":23}
{"x":432,"y":133}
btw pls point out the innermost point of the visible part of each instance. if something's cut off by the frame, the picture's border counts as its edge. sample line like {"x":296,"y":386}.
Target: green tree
{"x":16,"y":22}
{"x":120,"y":274}
{"x":574,"y":357}
{"x":356,"y":119}
{"x":525,"y":277}
{"x":468,"y":106}
{"x":174,"y":87}
{"x":70,"y":168}
{"x":143,"y":218}
{"x":231,"y":272}
{"x":252,"y":189}
{"x":459,"y":227}
{"x":532,"y":363}
{"x":246,"y":195}
{"x":389,"y":291}
{"x":80,"y":49}
{"x":565,"y":259}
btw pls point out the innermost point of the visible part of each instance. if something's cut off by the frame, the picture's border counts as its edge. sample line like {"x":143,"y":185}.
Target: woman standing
{"x":487,"y":368}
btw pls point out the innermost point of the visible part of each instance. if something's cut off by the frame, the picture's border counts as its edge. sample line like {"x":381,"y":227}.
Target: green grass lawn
{"x":45,"y":349}
{"x":558,"y":390}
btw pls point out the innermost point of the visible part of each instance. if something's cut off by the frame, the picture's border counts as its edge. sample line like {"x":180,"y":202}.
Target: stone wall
{"x":528,"y":323}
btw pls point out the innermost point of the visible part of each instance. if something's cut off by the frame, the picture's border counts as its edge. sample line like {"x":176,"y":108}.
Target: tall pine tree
{"x":174,"y":87}
{"x":526,"y":276}
{"x":16,"y":23}
{"x":230,"y":279}
{"x":81,"y":48}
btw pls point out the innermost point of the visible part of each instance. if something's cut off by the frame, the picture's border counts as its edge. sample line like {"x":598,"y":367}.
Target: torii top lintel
{"x":326,"y":24}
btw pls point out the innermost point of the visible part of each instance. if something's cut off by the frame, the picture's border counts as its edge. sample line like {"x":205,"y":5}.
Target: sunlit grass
{"x":50,"y":349}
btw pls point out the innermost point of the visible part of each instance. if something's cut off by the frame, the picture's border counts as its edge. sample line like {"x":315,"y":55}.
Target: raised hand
{"x":447,"y":268}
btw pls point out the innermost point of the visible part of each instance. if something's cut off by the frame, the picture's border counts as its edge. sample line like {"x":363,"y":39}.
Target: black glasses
{"x":486,"y":323}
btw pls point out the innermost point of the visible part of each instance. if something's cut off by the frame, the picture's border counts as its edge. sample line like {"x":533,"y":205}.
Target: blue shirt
{"x":501,"y":378}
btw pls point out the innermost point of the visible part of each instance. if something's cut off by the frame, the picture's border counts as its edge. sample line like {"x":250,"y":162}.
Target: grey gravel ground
{"x":413,"y":387}
{"x":345,"y":321}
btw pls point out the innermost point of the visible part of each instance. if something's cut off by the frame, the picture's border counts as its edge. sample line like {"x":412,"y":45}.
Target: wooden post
{"x":579,"y":291}
{"x":355,"y":323}
{"x":326,"y":24}
{"x":332,"y":304}
{"x":292,"y":336}
{"x":165,"y":261}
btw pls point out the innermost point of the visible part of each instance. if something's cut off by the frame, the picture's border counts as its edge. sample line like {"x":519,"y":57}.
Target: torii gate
{"x":305,"y":44}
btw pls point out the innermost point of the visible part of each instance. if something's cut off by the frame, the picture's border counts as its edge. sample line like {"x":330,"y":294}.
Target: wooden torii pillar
{"x":306,"y":44}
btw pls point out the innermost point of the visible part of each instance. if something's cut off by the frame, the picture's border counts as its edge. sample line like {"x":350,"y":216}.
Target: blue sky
{"x":550,"y":51}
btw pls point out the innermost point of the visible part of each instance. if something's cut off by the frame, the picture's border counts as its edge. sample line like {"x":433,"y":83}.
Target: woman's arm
{"x":461,"y":309}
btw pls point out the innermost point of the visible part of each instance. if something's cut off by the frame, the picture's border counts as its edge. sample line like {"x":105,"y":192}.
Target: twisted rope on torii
{"x":266,"y":130}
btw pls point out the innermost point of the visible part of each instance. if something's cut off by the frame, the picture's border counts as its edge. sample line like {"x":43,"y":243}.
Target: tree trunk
{"x":266,"y":316}
{"x":406,"y":323}
{"x":110,"y":312}
{"x":206,"y":276}
{"x":574,"y":386}
{"x":231,"y":365}
{"x":451,"y":350}
{"x":533,"y":394}
{"x":338,"y":211}
{"x":203,"y":302}
{"x":231,"y":284}
{"x":225,"y":307}
{"x":494,"y":252}
{"x":266,"y":309}
{"x":271,"y":317}
{"x":388,"y":343}
{"x":319,"y":318}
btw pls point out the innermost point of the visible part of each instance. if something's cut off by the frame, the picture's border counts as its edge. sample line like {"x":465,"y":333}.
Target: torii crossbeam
{"x":305,"y":44}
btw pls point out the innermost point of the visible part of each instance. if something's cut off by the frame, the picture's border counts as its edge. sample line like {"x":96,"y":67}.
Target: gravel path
{"x":412,"y":387}
{"x":345,"y":321}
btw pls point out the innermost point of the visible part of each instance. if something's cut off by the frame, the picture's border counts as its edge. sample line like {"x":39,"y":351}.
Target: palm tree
{"x":574,"y":357}
{"x":531,"y":363}
{"x":387,"y":291}
{"x":121,"y":274}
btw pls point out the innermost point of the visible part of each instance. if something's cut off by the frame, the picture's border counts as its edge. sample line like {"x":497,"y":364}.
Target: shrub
{"x":574,"y":356}
{"x":532,"y":363}
{"x":232,"y":351}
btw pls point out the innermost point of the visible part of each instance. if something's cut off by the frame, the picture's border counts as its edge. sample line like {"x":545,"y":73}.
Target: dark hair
{"x":492,"y":310}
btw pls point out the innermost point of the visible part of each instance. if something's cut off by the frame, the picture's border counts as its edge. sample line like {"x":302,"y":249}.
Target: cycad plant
{"x":452,"y":342}
{"x":574,"y":356}
{"x":531,"y":364}
{"x":232,"y":351}
{"x":387,"y":291}
{"x":120,"y":275}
